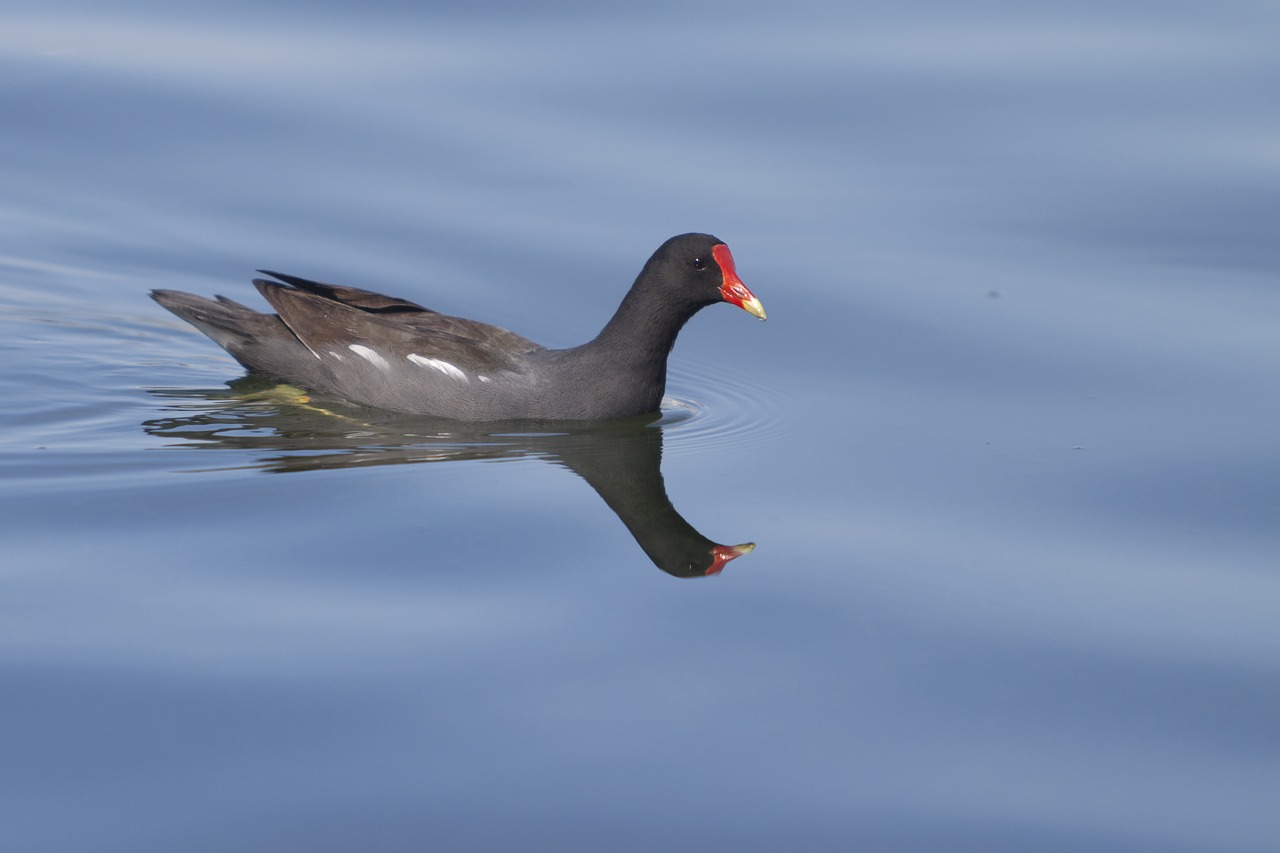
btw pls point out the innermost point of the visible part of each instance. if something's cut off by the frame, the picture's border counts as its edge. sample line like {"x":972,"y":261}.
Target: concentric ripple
{"x":728,"y":410}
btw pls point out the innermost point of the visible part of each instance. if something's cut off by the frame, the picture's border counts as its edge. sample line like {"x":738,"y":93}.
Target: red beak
{"x":722,"y":554}
{"x":732,"y":290}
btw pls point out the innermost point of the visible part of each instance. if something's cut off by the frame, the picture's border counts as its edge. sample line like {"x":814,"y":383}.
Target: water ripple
{"x":728,"y":410}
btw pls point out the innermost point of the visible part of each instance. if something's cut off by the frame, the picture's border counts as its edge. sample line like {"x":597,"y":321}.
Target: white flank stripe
{"x":436,"y":364}
{"x":369,"y":355}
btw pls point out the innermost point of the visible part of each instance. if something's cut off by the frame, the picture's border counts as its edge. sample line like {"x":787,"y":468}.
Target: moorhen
{"x":393,"y":354}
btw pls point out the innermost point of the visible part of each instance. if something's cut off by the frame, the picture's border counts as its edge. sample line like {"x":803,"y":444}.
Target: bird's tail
{"x":230,"y":324}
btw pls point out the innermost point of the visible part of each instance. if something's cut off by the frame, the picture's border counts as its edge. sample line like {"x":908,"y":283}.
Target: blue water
{"x":1007,"y":444}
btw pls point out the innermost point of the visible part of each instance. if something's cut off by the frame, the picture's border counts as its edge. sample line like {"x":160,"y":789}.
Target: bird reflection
{"x":289,"y":431}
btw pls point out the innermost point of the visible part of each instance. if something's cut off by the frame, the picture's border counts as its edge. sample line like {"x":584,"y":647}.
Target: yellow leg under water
{"x":291,"y":396}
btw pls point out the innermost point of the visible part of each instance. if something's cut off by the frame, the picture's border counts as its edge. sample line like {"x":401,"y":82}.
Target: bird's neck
{"x":642,"y":331}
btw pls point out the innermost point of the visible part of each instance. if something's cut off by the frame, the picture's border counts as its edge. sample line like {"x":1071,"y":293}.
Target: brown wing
{"x":365,"y":300}
{"x":328,"y":319}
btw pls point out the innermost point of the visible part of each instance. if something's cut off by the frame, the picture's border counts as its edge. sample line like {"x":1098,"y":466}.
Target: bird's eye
{"x":698,"y":263}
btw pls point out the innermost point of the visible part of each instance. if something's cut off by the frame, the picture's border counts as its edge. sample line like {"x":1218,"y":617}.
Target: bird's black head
{"x":699,"y":269}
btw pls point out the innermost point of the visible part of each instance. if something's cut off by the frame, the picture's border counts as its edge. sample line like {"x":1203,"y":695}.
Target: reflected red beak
{"x":722,"y":554}
{"x":732,"y":290}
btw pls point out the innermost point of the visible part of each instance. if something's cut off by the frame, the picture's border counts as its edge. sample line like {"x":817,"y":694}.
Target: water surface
{"x":1006,"y":445}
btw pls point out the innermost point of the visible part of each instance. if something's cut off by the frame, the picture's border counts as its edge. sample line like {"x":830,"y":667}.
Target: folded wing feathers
{"x":323,"y":317}
{"x":354,"y":297}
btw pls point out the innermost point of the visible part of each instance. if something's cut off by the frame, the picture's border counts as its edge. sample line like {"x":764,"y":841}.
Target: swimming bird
{"x":393,"y":354}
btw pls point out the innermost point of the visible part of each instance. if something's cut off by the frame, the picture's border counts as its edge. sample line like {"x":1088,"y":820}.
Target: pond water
{"x":1007,"y":445}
